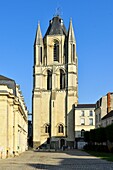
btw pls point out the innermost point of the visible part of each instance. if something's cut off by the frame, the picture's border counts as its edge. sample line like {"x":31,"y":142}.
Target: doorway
{"x":62,"y":143}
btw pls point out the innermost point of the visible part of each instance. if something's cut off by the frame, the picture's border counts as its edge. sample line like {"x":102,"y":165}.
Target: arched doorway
{"x":62,"y":143}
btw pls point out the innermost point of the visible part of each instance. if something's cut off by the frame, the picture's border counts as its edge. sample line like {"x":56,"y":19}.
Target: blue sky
{"x":93,"y":25}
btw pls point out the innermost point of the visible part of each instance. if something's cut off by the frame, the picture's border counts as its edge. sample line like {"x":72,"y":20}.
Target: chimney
{"x":108,"y":102}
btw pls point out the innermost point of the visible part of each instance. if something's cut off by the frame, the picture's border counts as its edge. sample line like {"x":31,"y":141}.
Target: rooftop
{"x":85,"y":106}
{"x":110,"y":114}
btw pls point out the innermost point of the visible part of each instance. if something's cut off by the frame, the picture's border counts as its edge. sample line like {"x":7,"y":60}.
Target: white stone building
{"x":84,"y":121}
{"x":13,"y":119}
{"x":55,"y":85}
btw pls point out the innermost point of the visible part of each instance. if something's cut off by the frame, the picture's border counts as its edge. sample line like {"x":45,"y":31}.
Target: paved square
{"x":67,"y":160}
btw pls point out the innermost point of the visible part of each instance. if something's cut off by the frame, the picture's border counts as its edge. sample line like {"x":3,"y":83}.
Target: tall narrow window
{"x":90,"y":121}
{"x":74,"y":52}
{"x":47,"y":128}
{"x":62,"y":79}
{"x":82,"y":132}
{"x":49,"y":80}
{"x":60,"y":128}
{"x":56,"y":51}
{"x":90,"y":113}
{"x":82,"y":113}
{"x":41,"y":54}
{"x":82,"y":121}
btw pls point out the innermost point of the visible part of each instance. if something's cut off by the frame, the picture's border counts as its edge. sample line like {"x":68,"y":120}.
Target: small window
{"x":82,"y":132}
{"x":82,"y":121}
{"x":60,"y":128}
{"x":90,"y":121}
{"x":90,"y":113}
{"x":82,"y":113}
{"x":47,"y":128}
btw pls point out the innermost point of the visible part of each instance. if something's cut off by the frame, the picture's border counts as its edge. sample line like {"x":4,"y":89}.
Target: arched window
{"x":56,"y":51}
{"x":47,"y":128}
{"x":62,"y":79}
{"x":82,"y":132}
{"x":49,"y":80}
{"x":60,"y":128}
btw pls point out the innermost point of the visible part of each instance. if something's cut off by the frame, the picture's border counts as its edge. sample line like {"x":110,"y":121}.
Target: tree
{"x":109,"y":132}
{"x":86,"y":136}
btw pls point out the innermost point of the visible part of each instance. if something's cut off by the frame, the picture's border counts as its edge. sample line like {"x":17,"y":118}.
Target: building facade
{"x":55,"y":85}
{"x":13,"y":119}
{"x":103,"y":106}
{"x":84,"y":121}
{"x":107,"y":119}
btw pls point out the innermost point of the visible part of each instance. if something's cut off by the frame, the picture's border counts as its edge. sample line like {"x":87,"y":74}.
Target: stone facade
{"x":107,"y":119}
{"x":84,"y":121}
{"x":103,"y":106}
{"x":55,"y":85}
{"x":13,"y":119}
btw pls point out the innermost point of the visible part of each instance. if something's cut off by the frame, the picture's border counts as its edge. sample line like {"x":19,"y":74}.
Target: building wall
{"x":13,"y":122}
{"x":82,"y":126}
{"x":103,"y":106}
{"x":86,"y":125}
{"x":107,"y":121}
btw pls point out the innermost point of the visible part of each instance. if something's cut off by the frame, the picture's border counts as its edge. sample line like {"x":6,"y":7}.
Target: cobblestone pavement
{"x":67,"y":160}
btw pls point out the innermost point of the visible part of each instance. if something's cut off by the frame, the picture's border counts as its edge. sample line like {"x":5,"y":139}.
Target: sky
{"x":93,"y":26}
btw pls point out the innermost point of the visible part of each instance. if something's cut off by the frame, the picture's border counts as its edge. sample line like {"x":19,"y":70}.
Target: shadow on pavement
{"x":73,"y":159}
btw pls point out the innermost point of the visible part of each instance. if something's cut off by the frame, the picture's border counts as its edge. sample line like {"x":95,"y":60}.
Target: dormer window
{"x":56,"y":51}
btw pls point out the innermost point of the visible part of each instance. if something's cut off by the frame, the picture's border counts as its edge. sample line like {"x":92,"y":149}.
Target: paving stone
{"x":67,"y":160}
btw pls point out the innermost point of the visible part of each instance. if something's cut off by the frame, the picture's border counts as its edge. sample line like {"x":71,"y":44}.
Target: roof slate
{"x":56,"y":27}
{"x":85,"y":106}
{"x":9,"y":82}
{"x":5,"y":78}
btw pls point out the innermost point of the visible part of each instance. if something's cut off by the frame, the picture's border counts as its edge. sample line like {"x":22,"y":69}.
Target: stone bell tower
{"x":55,"y":85}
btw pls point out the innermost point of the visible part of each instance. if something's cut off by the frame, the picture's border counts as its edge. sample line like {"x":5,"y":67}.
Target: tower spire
{"x":38,"y":38}
{"x":71,"y":35}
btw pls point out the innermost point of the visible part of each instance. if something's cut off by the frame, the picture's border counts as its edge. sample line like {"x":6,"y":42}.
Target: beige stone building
{"x":103,"y":106}
{"x":107,"y":119}
{"x":13,"y":119}
{"x":55,"y":85}
{"x":84,"y":121}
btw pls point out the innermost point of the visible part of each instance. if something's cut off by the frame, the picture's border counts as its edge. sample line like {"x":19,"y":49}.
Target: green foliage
{"x":100,"y":135}
{"x":109,"y":132}
{"x":98,"y":148}
{"x":102,"y":155}
{"x":92,"y":135}
{"x":86,"y":136}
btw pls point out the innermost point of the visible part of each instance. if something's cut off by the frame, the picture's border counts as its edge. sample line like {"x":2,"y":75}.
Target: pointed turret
{"x":71,"y":44}
{"x":71,"y":35}
{"x":38,"y":47}
{"x":38,"y":38}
